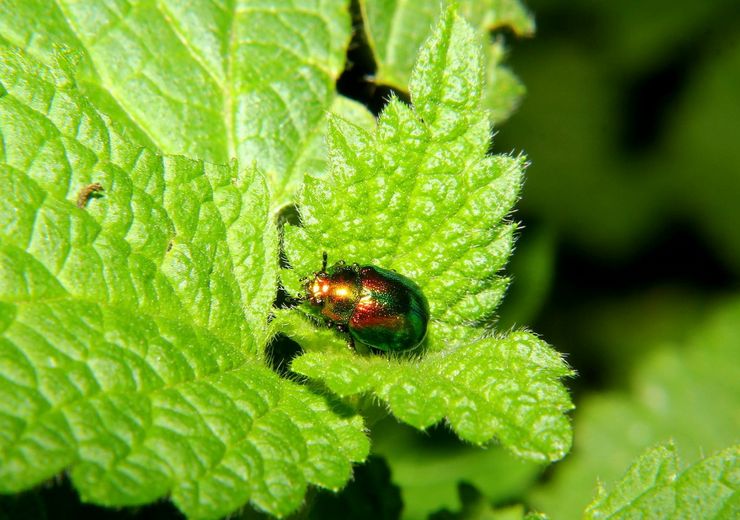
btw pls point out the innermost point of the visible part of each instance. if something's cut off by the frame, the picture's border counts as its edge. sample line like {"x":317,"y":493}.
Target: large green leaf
{"x":132,"y":330}
{"x":210,"y":80}
{"x":420,"y":195}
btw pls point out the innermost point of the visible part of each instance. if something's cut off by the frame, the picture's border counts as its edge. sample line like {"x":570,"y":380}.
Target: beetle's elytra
{"x":375,"y":306}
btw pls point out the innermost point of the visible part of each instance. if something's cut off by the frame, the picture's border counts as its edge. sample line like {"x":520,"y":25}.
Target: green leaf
{"x":689,"y":393}
{"x":494,"y":14}
{"x":353,"y":111}
{"x":213,"y":81}
{"x":506,"y":388}
{"x":132,"y":330}
{"x":396,"y":30}
{"x":420,"y":195}
{"x":654,"y":488}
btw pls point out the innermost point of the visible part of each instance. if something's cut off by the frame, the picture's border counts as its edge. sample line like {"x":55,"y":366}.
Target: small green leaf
{"x":421,"y":196}
{"x":494,"y":14}
{"x":353,"y":111}
{"x":504,"y":91}
{"x":132,"y":330}
{"x":653,"y":487}
{"x":396,"y":30}
{"x":208,"y":80}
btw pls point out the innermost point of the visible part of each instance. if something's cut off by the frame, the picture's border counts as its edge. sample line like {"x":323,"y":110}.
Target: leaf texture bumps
{"x":420,"y":195}
{"x":506,"y":388}
{"x":131,"y":331}
{"x":653,"y":487}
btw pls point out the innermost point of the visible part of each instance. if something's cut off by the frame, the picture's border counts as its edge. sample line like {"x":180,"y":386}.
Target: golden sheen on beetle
{"x":374,"y":306}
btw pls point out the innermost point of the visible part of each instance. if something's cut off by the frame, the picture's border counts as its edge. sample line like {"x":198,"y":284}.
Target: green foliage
{"x":421,"y":196}
{"x":476,"y":507}
{"x":242,"y":80}
{"x":395,"y":31}
{"x":134,"y":327}
{"x":428,"y":467}
{"x":690,"y":393}
{"x":653,"y":487}
{"x":132,"y":330}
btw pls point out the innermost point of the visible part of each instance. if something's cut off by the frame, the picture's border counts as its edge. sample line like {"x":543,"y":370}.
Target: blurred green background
{"x":631,"y":122}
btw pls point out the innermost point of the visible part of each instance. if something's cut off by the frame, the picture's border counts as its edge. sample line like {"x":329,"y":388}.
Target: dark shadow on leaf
{"x":57,"y":500}
{"x":357,"y":80}
{"x":280,"y":353}
{"x":370,"y":495}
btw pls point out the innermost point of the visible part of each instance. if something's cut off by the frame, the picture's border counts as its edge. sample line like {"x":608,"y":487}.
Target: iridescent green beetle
{"x":374,"y":306}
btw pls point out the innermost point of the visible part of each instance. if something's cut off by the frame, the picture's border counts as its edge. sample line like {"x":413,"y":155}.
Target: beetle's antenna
{"x":323,"y":263}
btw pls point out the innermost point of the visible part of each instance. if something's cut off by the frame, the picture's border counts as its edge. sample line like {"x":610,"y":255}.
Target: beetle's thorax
{"x":335,"y":292}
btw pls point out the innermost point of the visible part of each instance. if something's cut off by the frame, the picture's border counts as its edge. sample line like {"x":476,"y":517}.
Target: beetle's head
{"x":317,"y":288}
